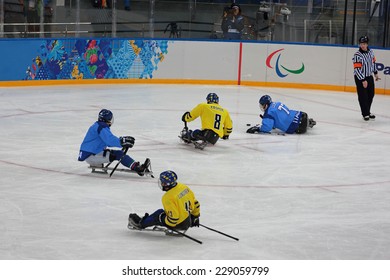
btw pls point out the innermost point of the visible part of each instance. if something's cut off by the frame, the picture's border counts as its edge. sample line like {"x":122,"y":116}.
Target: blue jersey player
{"x":278,"y":115}
{"x":95,"y":147}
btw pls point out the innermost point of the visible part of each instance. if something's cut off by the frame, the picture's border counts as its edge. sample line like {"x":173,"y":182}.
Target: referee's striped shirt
{"x":364,"y":64}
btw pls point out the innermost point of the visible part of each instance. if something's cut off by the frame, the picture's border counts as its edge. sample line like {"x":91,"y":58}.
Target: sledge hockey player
{"x":216,"y":122}
{"x":181,"y":209}
{"x":94,"y":148}
{"x":277,"y":115}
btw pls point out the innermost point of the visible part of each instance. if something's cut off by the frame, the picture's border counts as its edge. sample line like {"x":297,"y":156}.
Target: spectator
{"x":127,"y":5}
{"x":232,"y":22}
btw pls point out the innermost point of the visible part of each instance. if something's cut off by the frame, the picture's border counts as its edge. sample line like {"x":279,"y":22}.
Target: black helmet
{"x":265,"y":100}
{"x":363,"y":39}
{"x":106,"y":116}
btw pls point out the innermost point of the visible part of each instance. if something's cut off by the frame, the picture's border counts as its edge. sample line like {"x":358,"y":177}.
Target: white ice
{"x":322,"y":195}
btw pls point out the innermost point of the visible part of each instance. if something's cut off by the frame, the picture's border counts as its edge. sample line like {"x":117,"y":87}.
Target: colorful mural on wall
{"x":97,"y":59}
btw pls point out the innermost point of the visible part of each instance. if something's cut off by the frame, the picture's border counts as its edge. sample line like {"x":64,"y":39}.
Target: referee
{"x":364,"y":65}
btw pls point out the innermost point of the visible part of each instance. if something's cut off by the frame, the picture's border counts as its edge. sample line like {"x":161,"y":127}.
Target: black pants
{"x":207,"y":135}
{"x":365,"y":95}
{"x":154,"y":220}
{"x":302,"y":124}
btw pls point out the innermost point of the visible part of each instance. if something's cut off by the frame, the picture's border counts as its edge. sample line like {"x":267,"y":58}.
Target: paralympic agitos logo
{"x":281,"y":70}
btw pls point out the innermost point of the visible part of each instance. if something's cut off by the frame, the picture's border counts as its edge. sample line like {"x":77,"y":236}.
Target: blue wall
{"x":53,"y":59}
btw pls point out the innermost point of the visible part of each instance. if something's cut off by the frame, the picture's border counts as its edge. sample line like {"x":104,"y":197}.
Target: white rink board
{"x":220,"y":61}
{"x":200,"y":61}
{"x":322,"y":65}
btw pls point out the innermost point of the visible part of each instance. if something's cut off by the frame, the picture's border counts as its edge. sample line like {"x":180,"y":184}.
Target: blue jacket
{"x":281,"y":117}
{"x":98,"y":137}
{"x":232,"y":27}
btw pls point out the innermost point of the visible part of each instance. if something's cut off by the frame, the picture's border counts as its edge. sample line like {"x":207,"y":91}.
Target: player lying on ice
{"x":181,"y":209}
{"x":216,"y":122}
{"x":94,"y":148}
{"x":277,"y":115}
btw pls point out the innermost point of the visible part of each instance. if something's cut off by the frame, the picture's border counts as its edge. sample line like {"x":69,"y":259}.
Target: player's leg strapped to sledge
{"x":206,"y":135}
{"x":108,"y":156}
{"x":141,"y":224}
{"x":301,"y":123}
{"x":155,"y":219}
{"x":304,"y":123}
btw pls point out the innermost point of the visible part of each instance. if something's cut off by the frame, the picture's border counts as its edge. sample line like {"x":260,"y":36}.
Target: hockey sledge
{"x":105,"y":170}
{"x":199,"y":144}
{"x":157,"y":229}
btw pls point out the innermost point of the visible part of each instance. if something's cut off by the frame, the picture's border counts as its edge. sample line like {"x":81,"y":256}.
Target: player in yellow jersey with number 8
{"x":216,"y":122}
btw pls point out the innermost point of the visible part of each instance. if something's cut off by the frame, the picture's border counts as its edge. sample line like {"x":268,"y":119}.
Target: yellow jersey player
{"x":216,"y":121}
{"x":181,"y":209}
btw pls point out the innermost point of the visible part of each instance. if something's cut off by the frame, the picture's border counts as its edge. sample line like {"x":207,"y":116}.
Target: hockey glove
{"x":194,"y":221}
{"x":225,"y":137}
{"x":183,"y":118}
{"x":127,"y":141}
{"x":253,"y":129}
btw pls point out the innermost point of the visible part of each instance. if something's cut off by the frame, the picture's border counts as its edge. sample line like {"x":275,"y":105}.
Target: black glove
{"x":183,"y":118}
{"x":127,"y":141}
{"x":253,"y":129}
{"x":194,"y":221}
{"x":225,"y":137}
{"x":261,"y":116}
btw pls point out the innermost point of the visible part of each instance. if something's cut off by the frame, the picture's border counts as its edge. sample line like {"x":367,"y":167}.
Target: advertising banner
{"x":182,"y":61}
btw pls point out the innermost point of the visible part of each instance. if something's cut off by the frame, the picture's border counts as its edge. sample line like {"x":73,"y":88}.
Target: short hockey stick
{"x":272,"y":133}
{"x":119,"y":161}
{"x":232,"y":237}
{"x":187,"y":236}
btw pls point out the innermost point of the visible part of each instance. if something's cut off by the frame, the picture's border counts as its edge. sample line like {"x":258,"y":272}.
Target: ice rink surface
{"x":322,"y":195}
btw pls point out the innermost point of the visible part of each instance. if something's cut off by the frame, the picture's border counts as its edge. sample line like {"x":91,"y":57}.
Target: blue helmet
{"x":212,"y":98}
{"x":106,"y":116}
{"x":168,"y":179}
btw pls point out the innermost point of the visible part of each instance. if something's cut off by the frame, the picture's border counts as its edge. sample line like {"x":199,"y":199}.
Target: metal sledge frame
{"x":199,"y":144}
{"x":104,"y":169}
{"x":168,"y":231}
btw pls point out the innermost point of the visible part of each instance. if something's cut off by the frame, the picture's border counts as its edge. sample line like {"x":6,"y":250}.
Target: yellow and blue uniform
{"x":180,"y":207}
{"x":213,"y":117}
{"x":179,"y":203}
